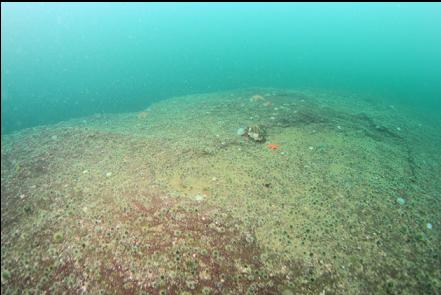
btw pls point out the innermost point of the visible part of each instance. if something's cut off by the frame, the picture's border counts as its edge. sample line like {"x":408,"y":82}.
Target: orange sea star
{"x":273,"y":146}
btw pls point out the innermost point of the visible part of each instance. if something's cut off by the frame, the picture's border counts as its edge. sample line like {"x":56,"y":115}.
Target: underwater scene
{"x":223,"y":148}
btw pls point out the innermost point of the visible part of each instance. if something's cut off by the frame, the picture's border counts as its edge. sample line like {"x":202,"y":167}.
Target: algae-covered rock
{"x":6,"y":276}
{"x":256,"y":133}
{"x":58,"y":237}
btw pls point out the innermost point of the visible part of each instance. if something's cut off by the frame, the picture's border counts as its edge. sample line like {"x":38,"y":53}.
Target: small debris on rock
{"x":401,"y":201}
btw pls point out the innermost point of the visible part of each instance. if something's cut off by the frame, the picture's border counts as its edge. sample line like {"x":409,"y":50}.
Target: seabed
{"x":171,"y":200}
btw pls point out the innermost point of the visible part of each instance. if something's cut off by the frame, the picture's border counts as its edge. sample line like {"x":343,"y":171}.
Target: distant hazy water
{"x":61,"y":61}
